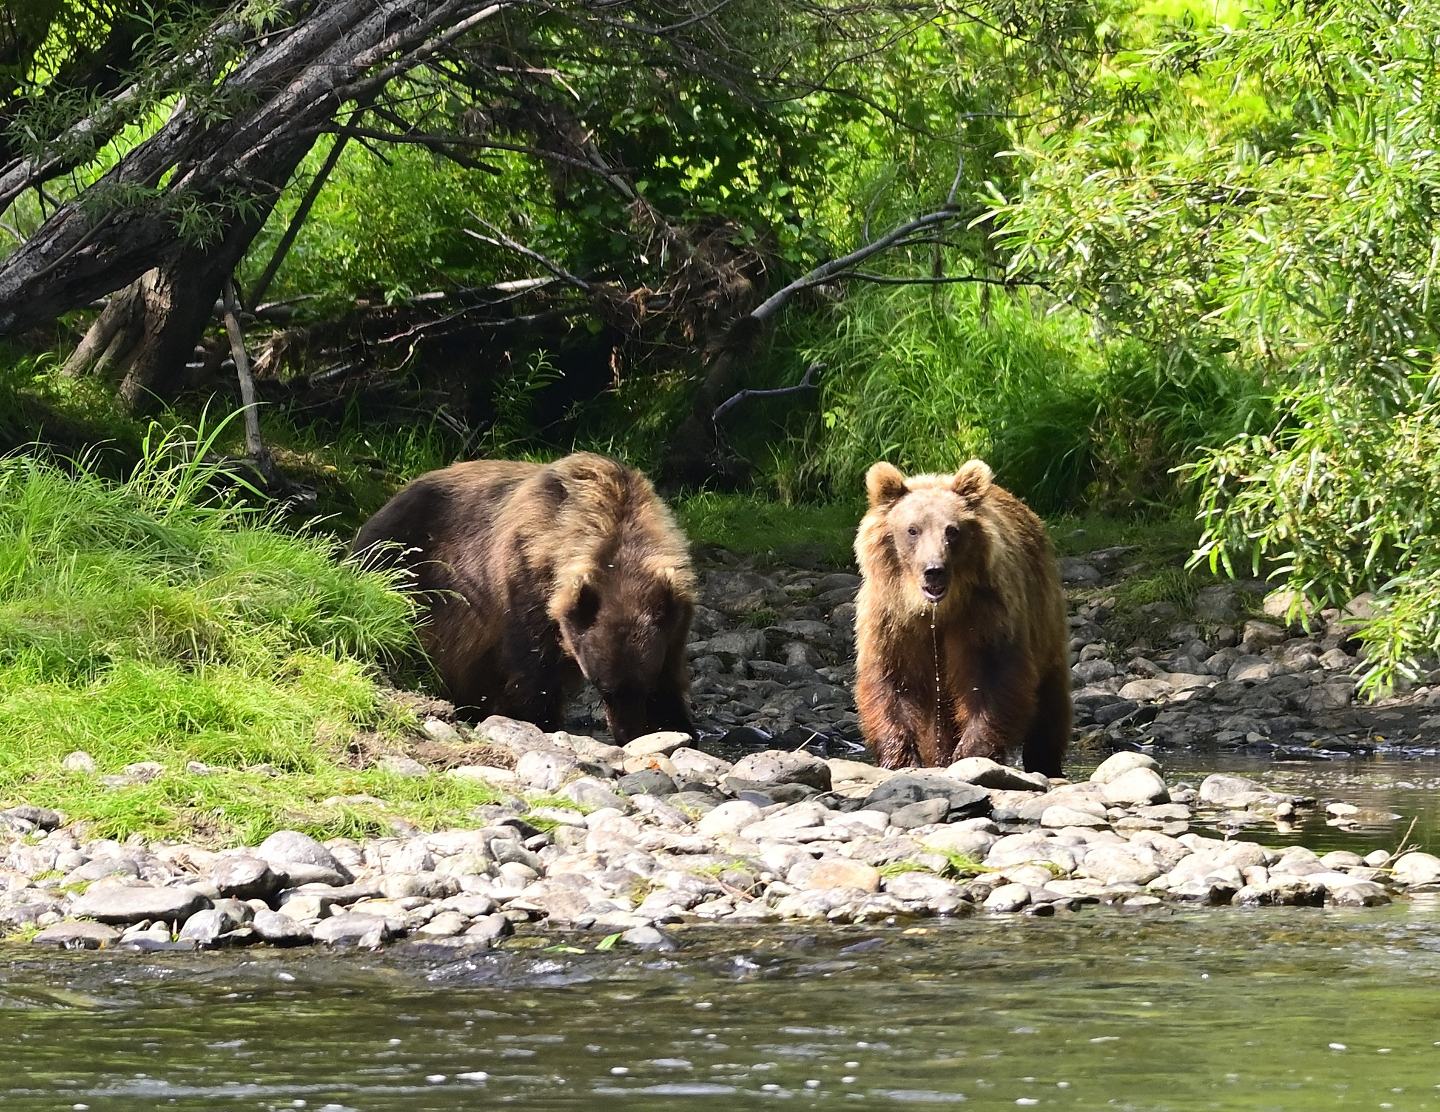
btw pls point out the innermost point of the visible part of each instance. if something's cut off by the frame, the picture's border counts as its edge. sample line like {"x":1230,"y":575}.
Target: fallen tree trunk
{"x":201,"y":186}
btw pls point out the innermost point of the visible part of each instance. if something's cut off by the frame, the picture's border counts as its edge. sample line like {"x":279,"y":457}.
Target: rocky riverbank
{"x":773,"y":650}
{"x":768,"y":818}
{"x":776,"y":836}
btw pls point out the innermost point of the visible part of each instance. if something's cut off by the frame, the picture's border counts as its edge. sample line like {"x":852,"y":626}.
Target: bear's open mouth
{"x":932,"y":594}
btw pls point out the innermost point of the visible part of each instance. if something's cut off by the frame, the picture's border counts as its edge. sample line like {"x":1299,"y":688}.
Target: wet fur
{"x":1000,"y":630}
{"x":532,"y":572}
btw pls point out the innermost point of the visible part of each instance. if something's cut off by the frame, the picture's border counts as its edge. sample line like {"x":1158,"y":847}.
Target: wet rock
{"x":1118,"y":764}
{"x":1281,"y":891}
{"x":649,"y":938}
{"x":1417,"y":868}
{"x":1138,"y":787}
{"x":986,"y":773}
{"x":280,"y":930}
{"x":1221,"y":789}
{"x":77,"y":936}
{"x":1363,"y":893}
{"x":245,"y":878}
{"x":965,"y":800}
{"x":1007,"y":898}
{"x":353,"y":929}
{"x":775,"y":766}
{"x":115,"y":904}
{"x":41,"y":818}
{"x":939,"y":895}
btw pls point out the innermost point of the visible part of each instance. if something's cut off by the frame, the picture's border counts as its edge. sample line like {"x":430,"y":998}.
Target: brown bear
{"x":534,"y":576}
{"x":962,"y":644}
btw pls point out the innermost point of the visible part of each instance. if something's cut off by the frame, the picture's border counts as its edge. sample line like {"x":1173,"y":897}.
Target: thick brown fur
{"x":534,"y":575}
{"x":962,"y":642}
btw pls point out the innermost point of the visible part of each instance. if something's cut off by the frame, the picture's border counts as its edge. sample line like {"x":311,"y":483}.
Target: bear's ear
{"x":885,"y":484}
{"x":972,"y":481}
{"x":585,"y":609}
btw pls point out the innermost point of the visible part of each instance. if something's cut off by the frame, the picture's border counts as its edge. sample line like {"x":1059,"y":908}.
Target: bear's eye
{"x":914,"y":532}
{"x":952,"y":533}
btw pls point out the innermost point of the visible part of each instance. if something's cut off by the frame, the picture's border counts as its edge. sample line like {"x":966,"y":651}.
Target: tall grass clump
{"x":928,"y":378}
{"x":161,"y":619}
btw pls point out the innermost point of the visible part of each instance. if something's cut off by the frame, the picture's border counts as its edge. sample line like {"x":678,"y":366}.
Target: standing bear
{"x":534,"y":576}
{"x":961,"y":635}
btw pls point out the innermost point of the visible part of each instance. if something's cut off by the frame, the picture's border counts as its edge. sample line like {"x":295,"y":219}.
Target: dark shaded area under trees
{"x":223,"y":103}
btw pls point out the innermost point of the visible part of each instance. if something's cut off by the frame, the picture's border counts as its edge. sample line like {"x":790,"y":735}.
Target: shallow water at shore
{"x":1226,"y":1008}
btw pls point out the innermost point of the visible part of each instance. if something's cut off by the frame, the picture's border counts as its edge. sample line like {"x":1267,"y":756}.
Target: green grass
{"x":160,"y":619}
{"x":818,"y":532}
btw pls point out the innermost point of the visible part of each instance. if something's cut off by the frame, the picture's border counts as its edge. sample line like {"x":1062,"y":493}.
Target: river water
{"x":1286,"y":1008}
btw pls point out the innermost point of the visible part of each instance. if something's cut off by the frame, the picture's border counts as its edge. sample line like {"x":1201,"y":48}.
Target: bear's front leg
{"x":892,"y":719}
{"x":534,"y":666}
{"x":995,"y":702}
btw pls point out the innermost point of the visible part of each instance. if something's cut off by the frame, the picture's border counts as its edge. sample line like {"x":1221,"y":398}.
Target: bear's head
{"x":931,"y":526}
{"x":626,"y":630}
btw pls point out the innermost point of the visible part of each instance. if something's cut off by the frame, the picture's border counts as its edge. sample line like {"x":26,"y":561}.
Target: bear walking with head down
{"x":534,"y":576}
{"x":961,"y":635}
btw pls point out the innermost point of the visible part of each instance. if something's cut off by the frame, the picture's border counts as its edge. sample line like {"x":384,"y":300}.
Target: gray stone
{"x":1281,"y":891}
{"x":285,"y":848}
{"x":111,"y":903}
{"x":1217,"y":603}
{"x":400,"y":765}
{"x":545,"y":769}
{"x":649,"y":938}
{"x":437,"y":729}
{"x":1146,"y":691}
{"x":1138,"y":787}
{"x":512,"y":735}
{"x":1362,"y":893}
{"x":245,"y":878}
{"x":1222,"y":789}
{"x":281,"y":930}
{"x":77,"y":936}
{"x":1060,"y":816}
{"x":206,"y":927}
{"x":489,"y":929}
{"x":661,"y":744}
{"x":41,"y":817}
{"x":79,"y":761}
{"x":648,"y":781}
{"x":354,"y":929}
{"x":1007,"y":898}
{"x":1118,"y":764}
{"x":741,"y":592}
{"x":1074,"y":570}
{"x":592,"y":793}
{"x":775,"y":766}
{"x":1092,"y":671}
{"x":992,"y":774}
{"x":925,"y":812}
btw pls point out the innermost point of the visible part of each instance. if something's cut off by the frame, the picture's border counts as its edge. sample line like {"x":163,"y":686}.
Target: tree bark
{"x":289,"y":88}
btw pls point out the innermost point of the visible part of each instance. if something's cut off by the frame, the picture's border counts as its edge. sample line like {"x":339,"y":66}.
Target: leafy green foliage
{"x":160,"y":619}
